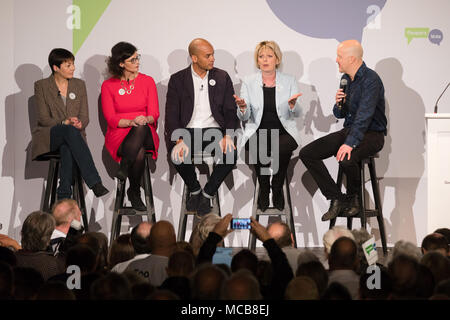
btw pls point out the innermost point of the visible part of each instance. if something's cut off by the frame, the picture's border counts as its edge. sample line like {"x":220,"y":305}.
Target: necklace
{"x":126,"y":89}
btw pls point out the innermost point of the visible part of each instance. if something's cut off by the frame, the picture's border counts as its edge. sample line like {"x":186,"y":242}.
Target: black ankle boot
{"x":125,"y":165}
{"x":99,"y":189}
{"x":134,"y":195}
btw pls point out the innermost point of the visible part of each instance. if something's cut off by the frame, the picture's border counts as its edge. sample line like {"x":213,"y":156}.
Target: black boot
{"x":204,"y":206}
{"x":336,"y":208}
{"x":264,"y":191}
{"x":99,"y":189}
{"x":134,"y":195}
{"x":125,"y":165}
{"x":353,"y":207}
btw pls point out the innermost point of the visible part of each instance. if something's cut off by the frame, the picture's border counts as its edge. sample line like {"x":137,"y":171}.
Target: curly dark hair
{"x":119,"y":53}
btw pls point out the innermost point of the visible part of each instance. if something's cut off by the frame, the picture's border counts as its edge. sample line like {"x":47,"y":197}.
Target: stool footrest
{"x":270,"y":212}
{"x":129,"y":211}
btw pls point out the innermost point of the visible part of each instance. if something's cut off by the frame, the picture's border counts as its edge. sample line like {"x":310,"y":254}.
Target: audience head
{"x":268,"y":47}
{"x":333,"y":234}
{"x":306,"y":256}
{"x":316,"y":271}
{"x":242,"y":285}
{"x":140,"y":237}
{"x":336,"y":291}
{"x":163,"y":294}
{"x":435,"y":242}
{"x":181,"y":264}
{"x":184,"y":246}
{"x":343,"y":255}
{"x":438,"y":265}
{"x":121,"y":250}
{"x":82,"y":256}
{"x":207,"y":281}
{"x":99,"y":244}
{"x":162,"y":238}
{"x":64,"y":211}
{"x":370,"y":288}
{"x":57,"y":57}
{"x":407,"y":248}
{"x":244,"y":259}
{"x":281,"y":233}
{"x":302,"y":288}
{"x":112,"y":286}
{"x":202,"y":230}
{"x":55,"y":291}
{"x":27,"y":283}
{"x":119,"y":53}
{"x":8,"y":256}
{"x":37,"y":230}
{"x":6,"y":281}
{"x":403,"y":270}
{"x":443,"y":288}
{"x":445,"y":232}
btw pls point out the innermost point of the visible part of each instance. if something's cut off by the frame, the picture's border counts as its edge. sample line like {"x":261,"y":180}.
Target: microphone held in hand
{"x":436,"y":105}
{"x":343,"y":86}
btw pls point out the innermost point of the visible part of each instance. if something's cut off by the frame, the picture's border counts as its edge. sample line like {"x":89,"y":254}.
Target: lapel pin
{"x":72,"y":95}
{"x":212,"y":82}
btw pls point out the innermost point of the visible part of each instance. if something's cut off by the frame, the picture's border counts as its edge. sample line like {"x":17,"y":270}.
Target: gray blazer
{"x":252,"y":93}
{"x":52,"y":111}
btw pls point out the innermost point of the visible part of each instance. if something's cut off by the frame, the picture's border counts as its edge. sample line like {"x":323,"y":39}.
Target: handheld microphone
{"x":436,"y":105}
{"x":343,"y":86}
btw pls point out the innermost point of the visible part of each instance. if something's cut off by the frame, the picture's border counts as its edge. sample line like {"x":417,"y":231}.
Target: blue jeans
{"x":72,"y":148}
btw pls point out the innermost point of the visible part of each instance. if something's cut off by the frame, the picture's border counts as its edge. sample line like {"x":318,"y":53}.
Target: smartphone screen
{"x":240,"y":223}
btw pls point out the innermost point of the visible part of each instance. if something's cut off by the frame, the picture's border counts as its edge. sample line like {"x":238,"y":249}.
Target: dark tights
{"x":132,"y":149}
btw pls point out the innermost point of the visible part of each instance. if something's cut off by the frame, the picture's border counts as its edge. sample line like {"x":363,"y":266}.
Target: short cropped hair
{"x":119,"y":53}
{"x":268,"y":45}
{"x":58,"y":56}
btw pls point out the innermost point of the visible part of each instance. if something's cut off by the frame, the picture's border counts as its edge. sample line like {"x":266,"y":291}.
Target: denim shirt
{"x":364,"y":108}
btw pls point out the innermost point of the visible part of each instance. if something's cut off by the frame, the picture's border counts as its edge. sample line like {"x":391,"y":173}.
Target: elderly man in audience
{"x":36,"y":232}
{"x":435,"y":242}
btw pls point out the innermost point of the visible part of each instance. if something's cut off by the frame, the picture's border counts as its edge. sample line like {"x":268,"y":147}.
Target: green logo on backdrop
{"x":84,"y":16}
{"x":411,"y":33}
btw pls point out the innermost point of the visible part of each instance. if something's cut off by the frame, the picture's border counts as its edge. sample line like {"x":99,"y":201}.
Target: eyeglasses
{"x":134,"y":60}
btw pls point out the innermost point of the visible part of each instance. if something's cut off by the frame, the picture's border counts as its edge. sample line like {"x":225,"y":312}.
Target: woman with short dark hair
{"x":62,"y":118}
{"x":130,"y":106}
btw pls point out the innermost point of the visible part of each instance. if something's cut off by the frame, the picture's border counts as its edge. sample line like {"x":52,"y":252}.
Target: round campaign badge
{"x":72,"y":95}
{"x":121,"y":91}
{"x":212,"y":82}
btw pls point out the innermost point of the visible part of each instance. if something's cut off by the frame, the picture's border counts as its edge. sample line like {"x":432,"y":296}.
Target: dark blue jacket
{"x":364,"y":107}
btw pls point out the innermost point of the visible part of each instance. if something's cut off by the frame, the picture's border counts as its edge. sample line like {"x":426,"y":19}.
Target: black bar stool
{"x":286,"y":215}
{"x":121,"y":210}
{"x":184,"y":214}
{"x":367,"y":212}
{"x":52,"y":183}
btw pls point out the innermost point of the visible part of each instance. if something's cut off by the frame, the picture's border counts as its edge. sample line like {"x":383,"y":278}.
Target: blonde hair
{"x":272,"y":45}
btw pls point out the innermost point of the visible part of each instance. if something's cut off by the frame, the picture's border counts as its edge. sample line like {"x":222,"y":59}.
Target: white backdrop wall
{"x":413,"y":74}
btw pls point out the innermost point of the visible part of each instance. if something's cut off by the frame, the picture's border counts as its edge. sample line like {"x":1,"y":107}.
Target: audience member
{"x":302,"y":288}
{"x":180,"y":266}
{"x":368,"y":289}
{"x":7,"y":242}
{"x":36,"y":232}
{"x":6,"y":281}
{"x":403,"y":270}
{"x":140,"y":240}
{"x":201,"y":231}
{"x":55,"y":291}
{"x":244,"y":259}
{"x":162,"y":243}
{"x":242,"y":285}
{"x":306,"y":256}
{"x":407,"y":248}
{"x":435,"y":242}
{"x":316,"y":271}
{"x":332,"y":235}
{"x":336,"y":291}
{"x":112,"y":286}
{"x":8,"y":256}
{"x":27,"y":282}
{"x":445,"y":232}
{"x":438,"y":264}
{"x":206,"y":282}
{"x":343,"y":261}
{"x":121,"y":250}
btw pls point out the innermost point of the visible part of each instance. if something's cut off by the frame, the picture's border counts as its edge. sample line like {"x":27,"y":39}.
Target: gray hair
{"x":333,"y":234}
{"x":202,"y":230}
{"x":37,"y":230}
{"x":305,"y":257}
{"x":407,"y":248}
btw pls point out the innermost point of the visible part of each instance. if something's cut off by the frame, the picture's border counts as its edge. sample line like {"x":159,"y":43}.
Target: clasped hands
{"x":141,"y":121}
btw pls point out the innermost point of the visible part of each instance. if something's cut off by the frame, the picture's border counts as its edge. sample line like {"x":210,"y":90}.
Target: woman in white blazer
{"x":268,"y":102}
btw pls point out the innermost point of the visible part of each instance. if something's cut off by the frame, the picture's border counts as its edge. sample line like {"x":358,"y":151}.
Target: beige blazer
{"x":52,"y":111}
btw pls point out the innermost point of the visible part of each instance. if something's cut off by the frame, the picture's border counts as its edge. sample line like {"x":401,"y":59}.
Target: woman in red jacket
{"x":130,"y":107}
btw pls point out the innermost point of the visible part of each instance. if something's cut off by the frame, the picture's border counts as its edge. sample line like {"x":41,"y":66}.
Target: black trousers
{"x":265,"y":148}
{"x":133,"y":147}
{"x":313,"y":154}
{"x":199,"y":142}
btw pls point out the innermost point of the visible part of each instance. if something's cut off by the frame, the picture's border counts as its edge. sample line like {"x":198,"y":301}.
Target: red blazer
{"x":143,"y":100}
